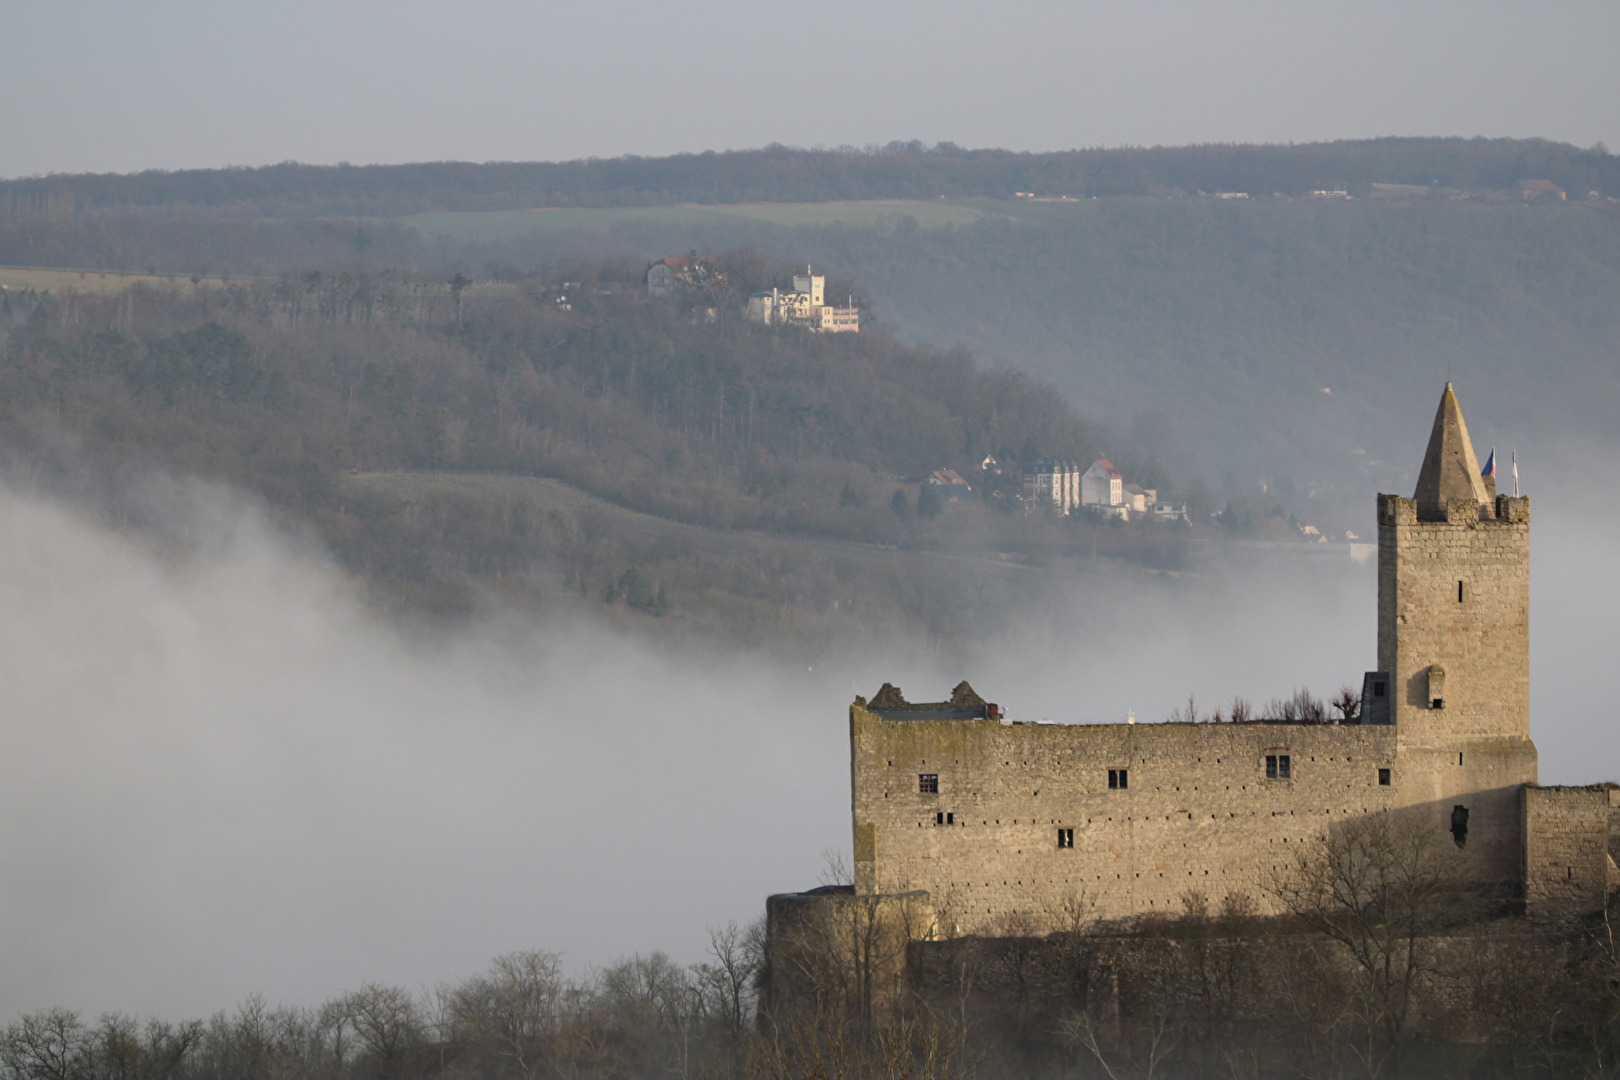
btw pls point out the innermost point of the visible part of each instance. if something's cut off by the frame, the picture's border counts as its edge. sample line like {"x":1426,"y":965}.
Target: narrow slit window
{"x":939,"y":818}
{"x":928,"y":783}
{"x":1065,"y":838}
{"x":1459,"y":592}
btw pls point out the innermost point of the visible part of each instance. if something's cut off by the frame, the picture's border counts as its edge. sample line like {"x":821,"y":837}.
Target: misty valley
{"x":436,"y":597}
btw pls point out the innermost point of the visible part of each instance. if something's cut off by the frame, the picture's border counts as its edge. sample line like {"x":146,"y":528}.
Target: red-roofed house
{"x":1102,"y":485}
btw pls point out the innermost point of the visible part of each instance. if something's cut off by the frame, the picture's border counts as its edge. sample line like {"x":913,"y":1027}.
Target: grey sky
{"x":113,"y":86}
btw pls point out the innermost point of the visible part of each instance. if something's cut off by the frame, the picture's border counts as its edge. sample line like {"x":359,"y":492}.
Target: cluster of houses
{"x":1066,"y":488}
{"x":1100,"y":489}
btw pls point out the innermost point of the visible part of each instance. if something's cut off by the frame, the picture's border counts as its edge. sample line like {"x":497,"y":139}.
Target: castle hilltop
{"x":971,"y":823}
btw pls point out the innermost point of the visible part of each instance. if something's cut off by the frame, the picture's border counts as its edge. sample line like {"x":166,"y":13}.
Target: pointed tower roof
{"x":1450,"y":469}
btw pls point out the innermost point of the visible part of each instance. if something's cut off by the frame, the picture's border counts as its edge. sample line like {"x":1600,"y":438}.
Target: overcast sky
{"x":117,"y":86}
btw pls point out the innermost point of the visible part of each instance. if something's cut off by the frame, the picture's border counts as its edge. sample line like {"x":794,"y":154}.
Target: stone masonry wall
{"x":1198,"y":814}
{"x":1567,"y":868}
{"x":1479,"y":636}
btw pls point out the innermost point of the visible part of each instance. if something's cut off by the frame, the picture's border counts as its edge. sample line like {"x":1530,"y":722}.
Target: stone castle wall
{"x":1198,"y":813}
{"x":1568,"y":832}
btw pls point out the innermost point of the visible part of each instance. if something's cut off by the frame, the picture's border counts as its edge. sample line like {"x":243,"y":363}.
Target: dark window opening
{"x":950,"y":818}
{"x":1119,"y":778}
{"x":1459,"y":825}
{"x":1378,"y":689}
{"x":1438,"y":703}
{"x":928,"y":783}
{"x":1459,"y":592}
{"x":1065,"y":838}
{"x":1279,"y":767}
{"x":945,"y":817}
{"x":1383,"y":778}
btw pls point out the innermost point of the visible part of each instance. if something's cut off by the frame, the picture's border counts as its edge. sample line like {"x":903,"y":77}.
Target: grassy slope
{"x":495,"y":225}
{"x":819,"y":594}
{"x":87,"y":281}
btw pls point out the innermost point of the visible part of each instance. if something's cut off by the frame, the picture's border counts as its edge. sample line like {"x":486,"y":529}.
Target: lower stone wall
{"x":832,"y":949}
{"x":1568,"y":870}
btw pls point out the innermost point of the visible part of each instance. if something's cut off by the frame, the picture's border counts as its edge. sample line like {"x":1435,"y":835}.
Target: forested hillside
{"x":315,"y":390}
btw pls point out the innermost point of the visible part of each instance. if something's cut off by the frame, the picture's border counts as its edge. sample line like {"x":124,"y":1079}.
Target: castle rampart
{"x":1023,"y":827}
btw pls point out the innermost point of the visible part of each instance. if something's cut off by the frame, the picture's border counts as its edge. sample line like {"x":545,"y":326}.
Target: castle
{"x":970,"y":823}
{"x":804,"y":307}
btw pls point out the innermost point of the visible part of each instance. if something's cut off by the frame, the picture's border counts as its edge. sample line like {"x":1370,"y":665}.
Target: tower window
{"x":944,"y":817}
{"x":1279,"y":767}
{"x":1459,"y":592}
{"x":1378,"y":689}
{"x":1383,"y":778}
{"x":1438,"y":703}
{"x":928,"y":783}
{"x":1119,"y":778}
{"x":1459,"y":825}
{"x":1065,"y":838}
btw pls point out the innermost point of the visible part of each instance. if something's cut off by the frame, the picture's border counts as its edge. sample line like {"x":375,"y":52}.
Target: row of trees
{"x":1385,"y":963}
{"x":783,"y":174}
{"x":523,"y":1018}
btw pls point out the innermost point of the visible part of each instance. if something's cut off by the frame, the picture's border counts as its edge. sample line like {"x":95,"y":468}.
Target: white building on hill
{"x":805,"y":306}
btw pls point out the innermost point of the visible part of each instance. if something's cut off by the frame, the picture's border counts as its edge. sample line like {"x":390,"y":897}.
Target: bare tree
{"x":388,"y":1025}
{"x":727,"y":984}
{"x":49,"y":1045}
{"x":510,"y":1013}
{"x":1378,"y":888}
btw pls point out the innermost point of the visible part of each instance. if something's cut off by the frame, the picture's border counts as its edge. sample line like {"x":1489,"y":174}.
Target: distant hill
{"x":1272,"y":346}
{"x":901,"y":170}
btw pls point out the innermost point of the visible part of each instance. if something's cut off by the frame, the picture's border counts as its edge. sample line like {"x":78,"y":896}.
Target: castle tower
{"x":1454,"y":645}
{"x":815,"y":285}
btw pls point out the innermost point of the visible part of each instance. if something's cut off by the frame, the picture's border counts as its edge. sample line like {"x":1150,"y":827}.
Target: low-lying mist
{"x":224,"y":774}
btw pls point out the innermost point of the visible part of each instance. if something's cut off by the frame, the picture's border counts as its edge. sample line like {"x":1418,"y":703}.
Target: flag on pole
{"x":1490,"y":464}
{"x":1515,"y":474}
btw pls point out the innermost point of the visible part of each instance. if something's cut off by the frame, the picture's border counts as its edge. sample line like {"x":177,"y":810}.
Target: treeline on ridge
{"x":906,"y":170}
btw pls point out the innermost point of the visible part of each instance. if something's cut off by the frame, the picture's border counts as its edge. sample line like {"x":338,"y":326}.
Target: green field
{"x":495,"y":225}
{"x":88,"y":281}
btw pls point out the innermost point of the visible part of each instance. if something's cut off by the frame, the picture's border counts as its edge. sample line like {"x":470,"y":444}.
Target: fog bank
{"x":223,"y":775}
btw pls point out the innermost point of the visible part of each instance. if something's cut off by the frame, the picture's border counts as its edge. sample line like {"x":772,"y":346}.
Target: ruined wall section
{"x":831,"y":947}
{"x":1197,"y":812}
{"x":1454,"y":620}
{"x":1568,"y":870}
